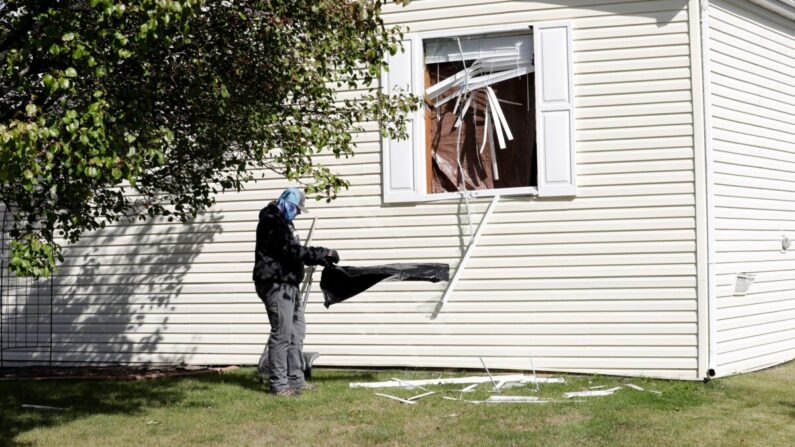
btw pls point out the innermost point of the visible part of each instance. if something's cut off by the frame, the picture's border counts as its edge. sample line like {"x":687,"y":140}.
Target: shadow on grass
{"x":345,"y":376}
{"x":89,"y":398}
{"x":246,"y":380}
{"x":78,"y":400}
{"x":84,"y":399}
{"x":81,"y":399}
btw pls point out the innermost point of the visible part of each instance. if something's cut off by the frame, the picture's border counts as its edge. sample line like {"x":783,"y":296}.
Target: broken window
{"x":528,"y":70}
{"x":480,"y":121}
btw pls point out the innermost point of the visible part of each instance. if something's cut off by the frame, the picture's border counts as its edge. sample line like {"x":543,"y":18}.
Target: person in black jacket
{"x":278,"y":271}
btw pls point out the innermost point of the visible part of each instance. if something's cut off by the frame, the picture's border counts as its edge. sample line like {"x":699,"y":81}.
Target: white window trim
{"x":425,"y":196}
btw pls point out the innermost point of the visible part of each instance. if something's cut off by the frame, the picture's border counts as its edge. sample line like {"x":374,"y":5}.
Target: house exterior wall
{"x":752,"y":72}
{"x":602,"y":283}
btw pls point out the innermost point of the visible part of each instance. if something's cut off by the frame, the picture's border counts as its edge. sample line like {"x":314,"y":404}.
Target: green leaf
{"x":31,"y":110}
{"x":49,"y":81}
{"x":68,"y":37}
{"x":71,"y":72}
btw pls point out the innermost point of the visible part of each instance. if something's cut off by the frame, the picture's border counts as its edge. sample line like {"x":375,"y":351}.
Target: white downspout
{"x":706,"y":82}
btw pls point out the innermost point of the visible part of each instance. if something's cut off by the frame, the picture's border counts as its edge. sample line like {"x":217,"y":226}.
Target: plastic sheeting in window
{"x":512,"y":167}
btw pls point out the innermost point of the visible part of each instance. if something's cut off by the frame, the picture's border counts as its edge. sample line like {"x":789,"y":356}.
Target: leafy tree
{"x":131,"y":109}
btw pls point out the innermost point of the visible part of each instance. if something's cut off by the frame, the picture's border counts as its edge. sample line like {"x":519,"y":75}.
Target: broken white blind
{"x":490,"y":59}
{"x":400,"y":161}
{"x":518,"y":47}
{"x":554,"y":110}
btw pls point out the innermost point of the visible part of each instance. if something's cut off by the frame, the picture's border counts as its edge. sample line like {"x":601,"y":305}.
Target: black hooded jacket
{"x":279,"y":256}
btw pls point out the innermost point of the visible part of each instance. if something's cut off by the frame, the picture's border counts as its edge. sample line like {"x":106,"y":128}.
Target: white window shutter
{"x":400,"y":159}
{"x":554,"y":110}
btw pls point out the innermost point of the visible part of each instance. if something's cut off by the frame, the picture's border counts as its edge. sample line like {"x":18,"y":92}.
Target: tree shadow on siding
{"x":112,"y":297}
{"x":116,"y":307}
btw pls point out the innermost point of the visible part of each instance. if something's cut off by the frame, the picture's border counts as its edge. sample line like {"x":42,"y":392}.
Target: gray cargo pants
{"x":286,"y":341}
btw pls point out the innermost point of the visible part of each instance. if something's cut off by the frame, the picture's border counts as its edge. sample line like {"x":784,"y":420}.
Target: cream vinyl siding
{"x":603,"y":283}
{"x":752,"y":54}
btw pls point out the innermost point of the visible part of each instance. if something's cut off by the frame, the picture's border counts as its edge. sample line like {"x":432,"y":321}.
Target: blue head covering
{"x":288,"y":209}
{"x":291,"y":203}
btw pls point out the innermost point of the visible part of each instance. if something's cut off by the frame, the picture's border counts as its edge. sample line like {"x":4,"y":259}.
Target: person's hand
{"x":332,"y":257}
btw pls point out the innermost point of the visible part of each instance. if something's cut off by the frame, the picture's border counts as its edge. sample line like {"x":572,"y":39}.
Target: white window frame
{"x":419,"y":149}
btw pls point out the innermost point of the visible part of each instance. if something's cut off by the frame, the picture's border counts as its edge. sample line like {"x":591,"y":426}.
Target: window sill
{"x":504,"y":192}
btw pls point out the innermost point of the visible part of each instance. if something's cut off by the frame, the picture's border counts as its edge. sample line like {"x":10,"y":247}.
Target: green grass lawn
{"x":233,"y":409}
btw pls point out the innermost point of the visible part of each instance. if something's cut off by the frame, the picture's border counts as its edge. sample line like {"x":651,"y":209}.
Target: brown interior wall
{"x":428,"y":139}
{"x":516,"y":163}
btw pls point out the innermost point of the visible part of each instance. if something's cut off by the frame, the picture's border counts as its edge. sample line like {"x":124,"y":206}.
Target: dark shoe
{"x":286,"y":392}
{"x":304,"y":387}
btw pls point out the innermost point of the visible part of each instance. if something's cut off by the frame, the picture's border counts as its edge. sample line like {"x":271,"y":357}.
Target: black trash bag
{"x":340,"y":283}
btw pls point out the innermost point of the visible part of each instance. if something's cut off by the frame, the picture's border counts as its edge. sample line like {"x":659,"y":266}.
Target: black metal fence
{"x":25,"y":310}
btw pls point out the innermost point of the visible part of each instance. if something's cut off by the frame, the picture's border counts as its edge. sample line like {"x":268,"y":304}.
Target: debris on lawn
{"x":638,"y":388}
{"x":419,"y":396}
{"x":539,"y":401}
{"x":508,"y":385}
{"x":493,"y":383}
{"x":521,"y":378}
{"x":469,"y":388}
{"x":533,"y":367}
{"x":388,"y":396}
{"x":152,"y":422}
{"x":498,"y":382}
{"x":410,"y":385}
{"x":512,"y":399}
{"x":593,"y":393}
{"x":538,"y":380}
{"x":41,"y":407}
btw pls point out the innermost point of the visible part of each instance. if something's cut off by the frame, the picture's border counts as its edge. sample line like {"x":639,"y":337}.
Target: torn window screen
{"x":481,"y":112}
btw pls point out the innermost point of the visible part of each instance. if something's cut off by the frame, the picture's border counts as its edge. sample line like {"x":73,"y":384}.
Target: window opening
{"x":480,"y":127}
